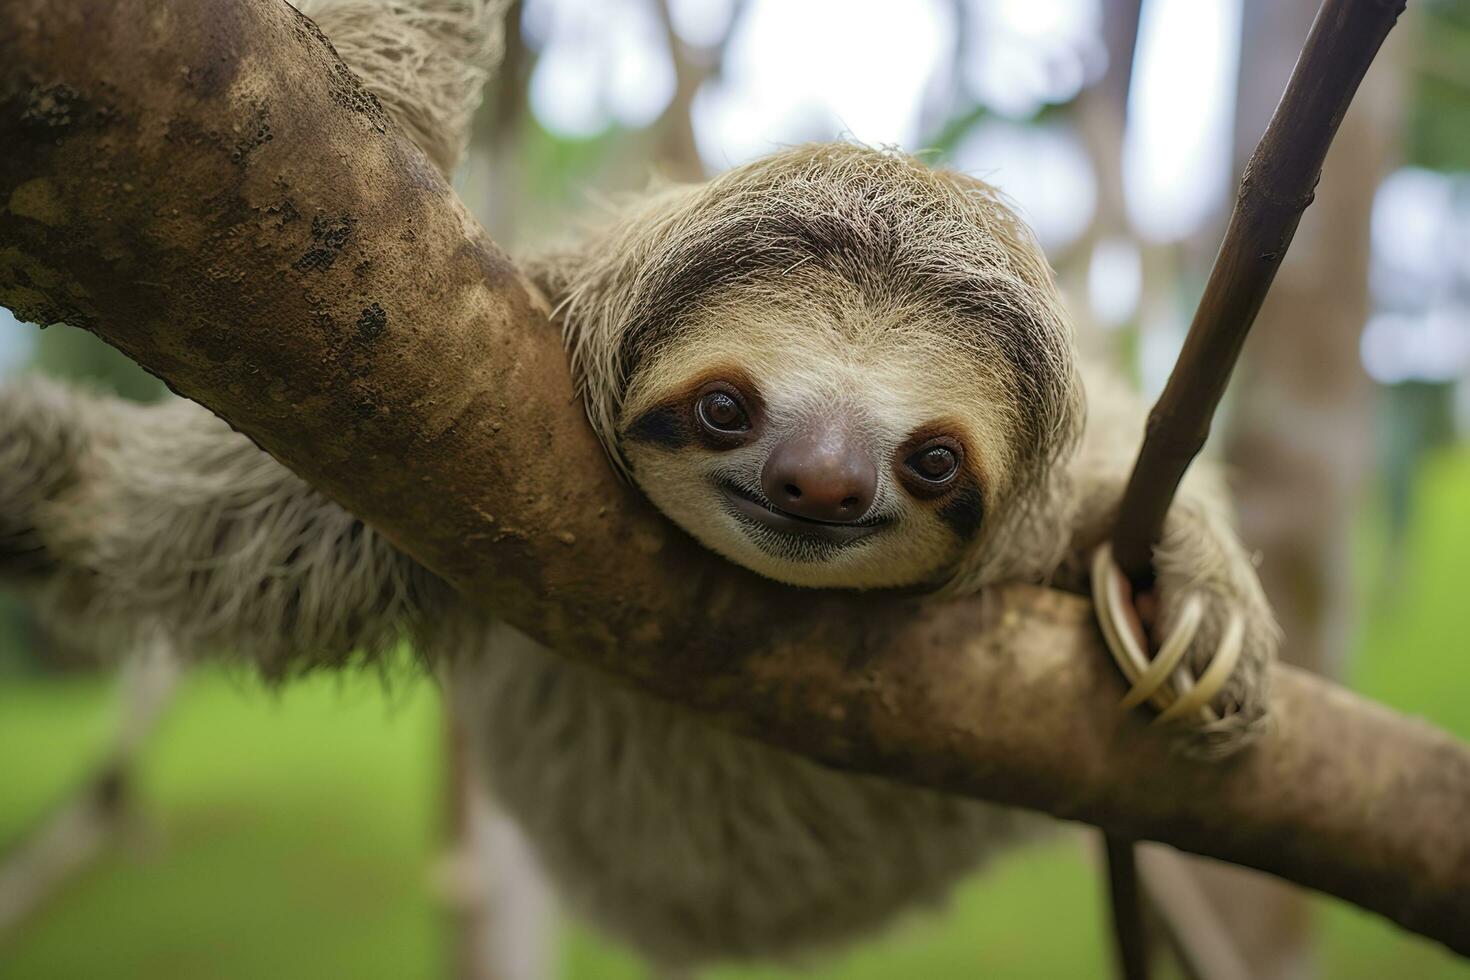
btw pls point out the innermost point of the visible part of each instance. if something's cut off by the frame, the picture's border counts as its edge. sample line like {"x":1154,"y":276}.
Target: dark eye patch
{"x":964,"y":511}
{"x":665,"y":426}
{"x":675,"y":424}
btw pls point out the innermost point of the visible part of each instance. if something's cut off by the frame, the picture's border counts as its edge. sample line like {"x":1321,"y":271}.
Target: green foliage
{"x":67,"y":352}
{"x":1439,"y":110}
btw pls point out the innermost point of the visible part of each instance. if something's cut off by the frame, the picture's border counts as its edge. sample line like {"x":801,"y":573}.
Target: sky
{"x":878,"y":73}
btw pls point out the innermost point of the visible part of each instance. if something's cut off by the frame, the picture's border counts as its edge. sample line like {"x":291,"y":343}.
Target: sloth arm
{"x":117,"y":519}
{"x":1200,"y":553}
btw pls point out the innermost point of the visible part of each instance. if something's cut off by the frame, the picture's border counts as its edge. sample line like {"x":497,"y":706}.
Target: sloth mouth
{"x":752,"y":509}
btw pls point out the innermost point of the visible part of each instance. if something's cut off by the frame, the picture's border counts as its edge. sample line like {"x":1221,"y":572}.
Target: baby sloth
{"x":835,"y":366}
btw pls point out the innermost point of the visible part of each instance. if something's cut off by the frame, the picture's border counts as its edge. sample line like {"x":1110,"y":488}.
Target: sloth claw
{"x":1167,"y":680}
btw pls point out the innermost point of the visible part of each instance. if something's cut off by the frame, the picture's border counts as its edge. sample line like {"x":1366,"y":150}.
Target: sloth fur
{"x":692,"y":844}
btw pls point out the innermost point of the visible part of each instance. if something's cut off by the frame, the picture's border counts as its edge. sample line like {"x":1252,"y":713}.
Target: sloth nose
{"x":821,"y":474}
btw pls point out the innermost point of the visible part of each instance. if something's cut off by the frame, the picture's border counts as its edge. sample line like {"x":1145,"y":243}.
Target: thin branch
{"x":1277,"y":187}
{"x":1130,"y":935}
{"x":135,"y":155}
{"x":677,"y":151}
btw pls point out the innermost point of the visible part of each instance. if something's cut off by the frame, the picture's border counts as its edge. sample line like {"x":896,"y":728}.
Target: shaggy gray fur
{"x":163,"y":515}
{"x":693,"y":844}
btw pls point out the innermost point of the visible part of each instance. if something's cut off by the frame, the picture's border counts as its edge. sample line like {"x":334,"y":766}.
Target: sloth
{"x":836,"y":366}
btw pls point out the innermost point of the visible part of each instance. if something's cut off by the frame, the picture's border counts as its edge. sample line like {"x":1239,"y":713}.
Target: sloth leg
{"x":118,"y":518}
{"x":426,"y":61}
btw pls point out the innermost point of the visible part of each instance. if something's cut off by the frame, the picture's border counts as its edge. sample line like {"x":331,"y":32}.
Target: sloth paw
{"x":1196,"y":648}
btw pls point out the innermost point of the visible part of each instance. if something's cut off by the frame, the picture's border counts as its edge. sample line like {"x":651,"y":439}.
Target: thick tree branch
{"x":202,"y":184}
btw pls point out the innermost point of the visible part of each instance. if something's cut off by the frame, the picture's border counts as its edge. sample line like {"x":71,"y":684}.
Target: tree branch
{"x":1279,"y":182}
{"x":202,"y":184}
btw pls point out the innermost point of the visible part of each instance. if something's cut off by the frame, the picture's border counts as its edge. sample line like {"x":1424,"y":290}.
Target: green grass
{"x":288,"y":835}
{"x":292,"y":834}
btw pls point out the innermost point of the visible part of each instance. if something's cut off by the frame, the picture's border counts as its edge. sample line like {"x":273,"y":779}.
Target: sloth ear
{"x":426,"y":61}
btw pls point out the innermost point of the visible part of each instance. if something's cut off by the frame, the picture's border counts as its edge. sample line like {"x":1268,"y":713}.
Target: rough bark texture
{"x":204,"y":185}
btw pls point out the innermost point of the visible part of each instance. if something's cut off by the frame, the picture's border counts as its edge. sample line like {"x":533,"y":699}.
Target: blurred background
{"x":219,"y":829}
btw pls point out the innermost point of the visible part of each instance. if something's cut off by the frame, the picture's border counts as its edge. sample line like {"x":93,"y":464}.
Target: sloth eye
{"x":721,"y":413}
{"x":937,"y":463}
{"x":932,"y":466}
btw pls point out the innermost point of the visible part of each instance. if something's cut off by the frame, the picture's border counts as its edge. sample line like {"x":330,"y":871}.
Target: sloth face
{"x":835,"y":366}
{"x":819,"y":438}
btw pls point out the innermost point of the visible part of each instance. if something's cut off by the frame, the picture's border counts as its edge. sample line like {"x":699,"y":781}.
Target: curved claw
{"x":1164,"y":680}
